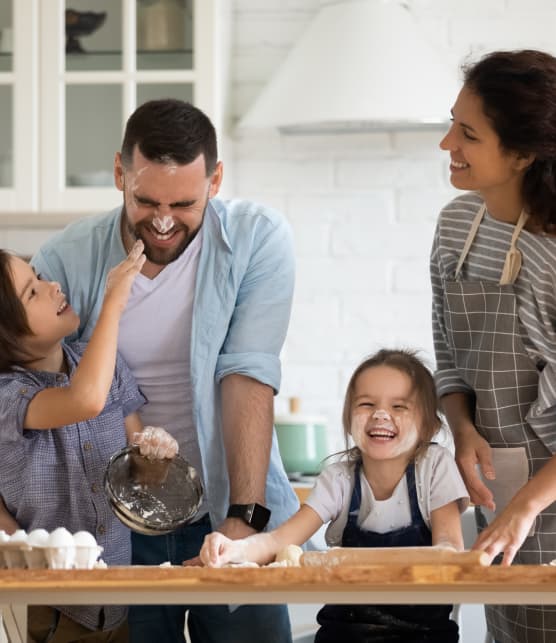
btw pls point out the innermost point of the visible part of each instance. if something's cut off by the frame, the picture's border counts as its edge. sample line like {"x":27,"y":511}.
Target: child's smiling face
{"x":49,"y":316}
{"x":385,"y":416}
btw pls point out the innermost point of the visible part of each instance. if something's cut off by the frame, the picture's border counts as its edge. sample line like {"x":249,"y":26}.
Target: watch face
{"x":260,"y":517}
{"x":254,"y":514}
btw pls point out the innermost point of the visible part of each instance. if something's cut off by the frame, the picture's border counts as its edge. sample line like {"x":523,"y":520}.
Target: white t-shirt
{"x":438,"y":483}
{"x":154,"y":339}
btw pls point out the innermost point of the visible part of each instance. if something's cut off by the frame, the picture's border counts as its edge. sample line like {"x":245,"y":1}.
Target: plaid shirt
{"x":54,"y":478}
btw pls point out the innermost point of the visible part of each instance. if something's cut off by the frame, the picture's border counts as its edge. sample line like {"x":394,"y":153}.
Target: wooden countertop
{"x":393,"y":583}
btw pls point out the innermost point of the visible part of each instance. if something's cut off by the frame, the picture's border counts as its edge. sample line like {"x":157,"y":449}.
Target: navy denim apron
{"x":386,"y":623}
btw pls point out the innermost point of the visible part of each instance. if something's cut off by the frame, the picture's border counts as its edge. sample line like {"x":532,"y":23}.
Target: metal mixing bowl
{"x":152,"y":497}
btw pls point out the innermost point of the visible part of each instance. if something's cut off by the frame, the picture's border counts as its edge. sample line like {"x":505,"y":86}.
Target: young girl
{"x":392,"y":489}
{"x":64,"y":410}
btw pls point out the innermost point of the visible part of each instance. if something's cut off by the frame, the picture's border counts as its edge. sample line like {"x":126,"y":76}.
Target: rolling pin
{"x":392,"y":555}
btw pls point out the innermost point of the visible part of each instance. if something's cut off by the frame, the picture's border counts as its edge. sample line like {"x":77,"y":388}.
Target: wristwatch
{"x":254,"y":514}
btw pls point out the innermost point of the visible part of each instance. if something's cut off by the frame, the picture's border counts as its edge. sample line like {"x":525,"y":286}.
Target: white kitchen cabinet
{"x":62,"y":113}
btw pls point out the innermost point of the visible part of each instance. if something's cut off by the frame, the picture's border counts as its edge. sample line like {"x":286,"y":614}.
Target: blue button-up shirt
{"x":243,"y":295}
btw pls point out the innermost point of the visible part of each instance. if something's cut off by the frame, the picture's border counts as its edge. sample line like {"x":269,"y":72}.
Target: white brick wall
{"x":362,"y":207}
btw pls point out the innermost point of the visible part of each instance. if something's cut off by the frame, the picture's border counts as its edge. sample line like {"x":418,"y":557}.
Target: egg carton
{"x":41,"y":550}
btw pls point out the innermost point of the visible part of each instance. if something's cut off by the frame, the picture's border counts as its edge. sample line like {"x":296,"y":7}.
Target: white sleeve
{"x":445,"y":481}
{"x":331,"y":491}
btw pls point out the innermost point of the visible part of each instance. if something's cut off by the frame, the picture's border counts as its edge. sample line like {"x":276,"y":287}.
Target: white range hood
{"x":359,"y":66}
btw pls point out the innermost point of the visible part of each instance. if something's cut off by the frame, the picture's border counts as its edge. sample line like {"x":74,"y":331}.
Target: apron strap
{"x":355,"y":501}
{"x":512,"y":263}
{"x":470,"y":238}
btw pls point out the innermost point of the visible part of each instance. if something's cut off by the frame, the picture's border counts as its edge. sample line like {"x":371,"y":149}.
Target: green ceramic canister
{"x":302,"y":440}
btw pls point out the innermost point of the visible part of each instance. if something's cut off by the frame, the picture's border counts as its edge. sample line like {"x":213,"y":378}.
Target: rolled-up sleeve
{"x":15,"y":396}
{"x":131,"y":398}
{"x":262,"y":309}
{"x":446,"y":376}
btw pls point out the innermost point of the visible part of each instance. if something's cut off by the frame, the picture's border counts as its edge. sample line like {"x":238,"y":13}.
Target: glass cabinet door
{"x":18,"y":115}
{"x":110,"y":56}
{"x":71,"y":73}
{"x":6,"y":94}
{"x":164,"y":35}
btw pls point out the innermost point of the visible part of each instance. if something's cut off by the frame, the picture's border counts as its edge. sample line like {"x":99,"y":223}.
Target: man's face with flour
{"x":164,"y":203}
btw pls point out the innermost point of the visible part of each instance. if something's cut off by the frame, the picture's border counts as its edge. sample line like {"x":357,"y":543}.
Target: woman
{"x":493,"y":271}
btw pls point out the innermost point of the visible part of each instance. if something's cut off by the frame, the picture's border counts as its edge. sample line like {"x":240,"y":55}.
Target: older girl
{"x":392,"y":489}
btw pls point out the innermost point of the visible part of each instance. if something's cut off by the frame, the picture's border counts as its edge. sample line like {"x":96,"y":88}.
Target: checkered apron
{"x":483,"y":330}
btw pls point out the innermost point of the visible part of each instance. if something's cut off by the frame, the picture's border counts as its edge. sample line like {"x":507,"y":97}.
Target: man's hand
{"x":233,"y":529}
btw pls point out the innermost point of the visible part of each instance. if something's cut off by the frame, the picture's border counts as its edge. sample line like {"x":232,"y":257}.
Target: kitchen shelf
{"x":112,"y":60}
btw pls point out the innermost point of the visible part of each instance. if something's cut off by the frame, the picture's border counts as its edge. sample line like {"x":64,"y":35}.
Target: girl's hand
{"x":217,"y":550}
{"x":155,"y":443}
{"x":472,"y":449}
{"x":120,"y":278}
{"x":506,"y":533}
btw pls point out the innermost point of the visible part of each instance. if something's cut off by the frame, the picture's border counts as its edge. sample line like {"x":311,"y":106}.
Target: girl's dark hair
{"x":13,"y":319}
{"x":170,"y":130}
{"x":518,"y":91}
{"x":424,"y":389}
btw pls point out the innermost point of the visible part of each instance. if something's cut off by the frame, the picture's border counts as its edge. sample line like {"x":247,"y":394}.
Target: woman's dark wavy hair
{"x":518,"y":91}
{"x":170,"y":130}
{"x":423,"y":388}
{"x":13,"y":319}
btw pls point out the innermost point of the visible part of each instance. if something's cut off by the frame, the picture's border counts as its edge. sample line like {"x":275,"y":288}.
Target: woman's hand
{"x":217,"y":550}
{"x":120,"y":278}
{"x":509,"y":530}
{"x":506,"y":533}
{"x":472,"y":449}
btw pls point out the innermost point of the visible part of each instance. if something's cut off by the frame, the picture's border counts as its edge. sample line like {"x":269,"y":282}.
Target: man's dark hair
{"x":169,"y":130}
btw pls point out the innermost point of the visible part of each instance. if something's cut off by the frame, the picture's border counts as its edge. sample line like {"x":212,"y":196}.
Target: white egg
{"x":19,"y":536}
{"x":60,"y":550}
{"x":84,"y":539}
{"x":38,"y":538}
{"x":35,"y":555}
{"x":13,"y":549}
{"x":60,"y":537}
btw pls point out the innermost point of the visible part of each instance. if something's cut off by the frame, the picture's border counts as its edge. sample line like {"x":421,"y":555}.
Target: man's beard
{"x":156,"y":255}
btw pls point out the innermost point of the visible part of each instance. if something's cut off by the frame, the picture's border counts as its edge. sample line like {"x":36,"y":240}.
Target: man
{"x":202,"y":332}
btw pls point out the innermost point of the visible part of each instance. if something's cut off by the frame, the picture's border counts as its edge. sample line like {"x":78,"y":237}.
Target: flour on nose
{"x":163,"y":224}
